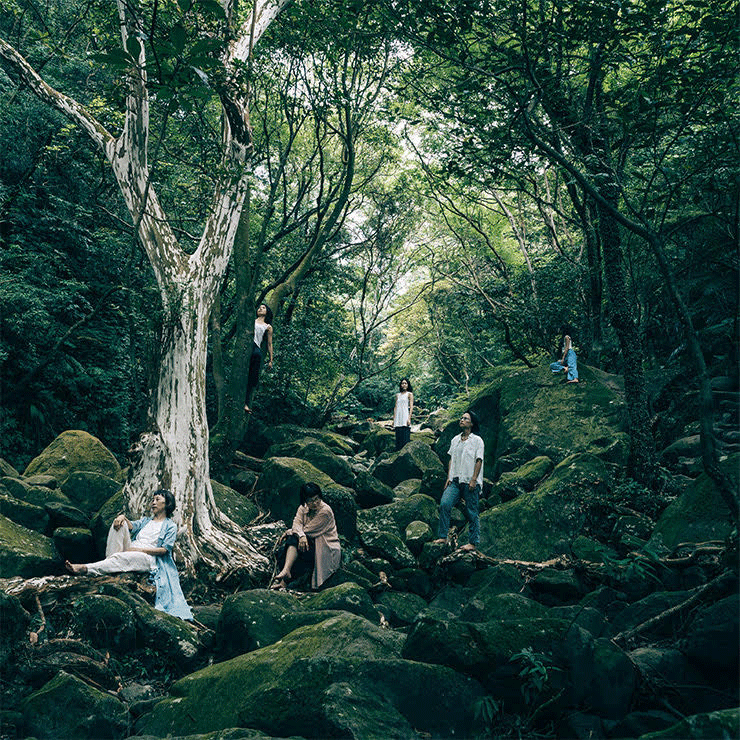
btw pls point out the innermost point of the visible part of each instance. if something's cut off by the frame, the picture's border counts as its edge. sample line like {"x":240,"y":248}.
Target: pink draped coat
{"x":322,"y":529}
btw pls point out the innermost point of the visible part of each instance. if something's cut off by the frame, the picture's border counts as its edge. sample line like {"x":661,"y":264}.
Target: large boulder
{"x":342,"y":677}
{"x":319,"y":455}
{"x":379,"y":440}
{"x":282,"y":433}
{"x":238,"y":508}
{"x":412,"y":461}
{"x":524,"y":479}
{"x":88,"y":490}
{"x":24,"y":552}
{"x":75,"y":544}
{"x":699,"y":514}
{"x":395,"y":517}
{"x":68,"y":707}
{"x":541,"y":524}
{"x":369,"y":491}
{"x":73,"y":451}
{"x":279,"y":492}
{"x":23,"y":513}
{"x":712,"y":638}
{"x":31,"y":494}
{"x":108,"y":622}
{"x":349,"y":597}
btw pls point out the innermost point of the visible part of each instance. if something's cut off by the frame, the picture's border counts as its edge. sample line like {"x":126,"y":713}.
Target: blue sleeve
{"x":137,"y":525}
{"x":168,"y":535}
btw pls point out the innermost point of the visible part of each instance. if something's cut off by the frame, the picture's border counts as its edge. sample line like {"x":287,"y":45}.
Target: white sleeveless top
{"x":401,"y":412}
{"x":259,"y":332}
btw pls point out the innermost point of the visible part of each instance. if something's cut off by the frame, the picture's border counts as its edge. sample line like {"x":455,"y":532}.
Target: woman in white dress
{"x":402,"y":413}
{"x":262,"y":329}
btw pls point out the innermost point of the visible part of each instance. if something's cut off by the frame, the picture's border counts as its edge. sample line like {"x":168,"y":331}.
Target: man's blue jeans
{"x":452,"y":494}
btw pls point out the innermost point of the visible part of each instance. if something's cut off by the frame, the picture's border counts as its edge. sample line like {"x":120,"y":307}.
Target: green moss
{"x":24,"y":552}
{"x":237,"y":507}
{"x":721,"y":725}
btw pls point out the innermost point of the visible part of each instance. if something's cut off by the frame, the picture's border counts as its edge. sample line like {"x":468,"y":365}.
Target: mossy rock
{"x":343,"y":678}
{"x":74,"y":451}
{"x":35,"y":495}
{"x":64,"y":515}
{"x":414,"y":460}
{"x":719,"y":725}
{"x":525,"y":477}
{"x":68,"y":707}
{"x":699,"y":514}
{"x":348,"y":597}
{"x":7,"y":470}
{"x":89,"y":491}
{"x":238,"y":508}
{"x":106,"y":621}
{"x":388,"y":546}
{"x":585,"y":548}
{"x":319,"y":455}
{"x":406,"y":488}
{"x":23,"y":513}
{"x":379,"y":440}
{"x":24,"y":552}
{"x":417,"y":534}
{"x":279,"y":489}
{"x":369,"y":491}
{"x":282,"y":433}
{"x":544,"y":523}
{"x":486,"y":606}
{"x":712,"y":639}
{"x":401,"y":609}
{"x":395,"y":517}
{"x":75,"y":544}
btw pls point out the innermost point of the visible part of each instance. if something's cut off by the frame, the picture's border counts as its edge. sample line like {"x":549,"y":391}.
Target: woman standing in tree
{"x":262,"y":327}
{"x":402,"y":413}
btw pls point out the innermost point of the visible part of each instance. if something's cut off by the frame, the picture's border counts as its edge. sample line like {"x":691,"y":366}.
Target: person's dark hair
{"x":476,"y":421}
{"x":401,"y":381}
{"x":169,"y":501}
{"x":268,"y":315}
{"x":309,"y":490}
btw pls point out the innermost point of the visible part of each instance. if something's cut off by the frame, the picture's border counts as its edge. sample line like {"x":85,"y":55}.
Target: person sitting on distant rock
{"x":464,"y":480}
{"x":312,"y":543}
{"x":402,"y":413}
{"x":148,"y":551}
{"x":569,"y":362}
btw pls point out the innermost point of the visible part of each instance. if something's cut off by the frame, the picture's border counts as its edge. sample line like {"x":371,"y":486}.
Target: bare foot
{"x":468,"y":547}
{"x":78,"y":570}
{"x":572,"y":381}
{"x":248,"y":410}
{"x":439,"y":542}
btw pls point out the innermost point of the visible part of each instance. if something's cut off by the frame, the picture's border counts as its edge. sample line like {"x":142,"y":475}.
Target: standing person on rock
{"x":145,"y":545}
{"x":464,"y":480}
{"x":262,"y":328}
{"x":402,"y":413}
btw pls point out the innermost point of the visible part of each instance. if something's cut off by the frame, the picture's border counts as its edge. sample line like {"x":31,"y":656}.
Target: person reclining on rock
{"x":149,"y":551}
{"x":313,"y":541}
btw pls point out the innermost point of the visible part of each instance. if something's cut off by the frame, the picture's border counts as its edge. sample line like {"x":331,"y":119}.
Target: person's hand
{"x":473,"y":483}
{"x":269,"y":365}
{"x":447,"y":483}
{"x":118,"y":521}
{"x":303,"y":543}
{"x":408,"y":423}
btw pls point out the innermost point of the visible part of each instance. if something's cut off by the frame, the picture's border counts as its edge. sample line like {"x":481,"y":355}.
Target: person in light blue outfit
{"x":569,"y":363}
{"x":145,"y":545}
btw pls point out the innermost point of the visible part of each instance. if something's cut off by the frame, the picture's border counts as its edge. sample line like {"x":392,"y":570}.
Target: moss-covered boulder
{"x":712,"y":640}
{"x":88,"y":490}
{"x":395,"y":517}
{"x":722,"y":724}
{"x":23,"y":513}
{"x":401,"y":609}
{"x":699,"y":514}
{"x":379,"y":440}
{"x":238,"y":508}
{"x":388,"y":546}
{"x":412,"y":461}
{"x":284,"y":433}
{"x":544,"y":523}
{"x":487,"y":605}
{"x":75,"y":544}
{"x":319,"y":455}
{"x":24,"y":552}
{"x":349,"y":597}
{"x":6,"y":469}
{"x":369,"y":491}
{"x":417,"y":534}
{"x":279,"y":492}
{"x":64,"y":515}
{"x":36,"y":495}
{"x":524,"y":479}
{"x":407,"y":488}
{"x":340,"y":678}
{"x":74,"y":451}
{"x":67,"y":707}
{"x":108,"y":622}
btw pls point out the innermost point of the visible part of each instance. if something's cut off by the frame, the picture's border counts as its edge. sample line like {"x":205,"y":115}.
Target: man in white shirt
{"x":464,"y":479}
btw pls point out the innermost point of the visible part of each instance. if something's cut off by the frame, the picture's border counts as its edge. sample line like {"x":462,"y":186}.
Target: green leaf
{"x":133,"y":46}
{"x":177,"y":36}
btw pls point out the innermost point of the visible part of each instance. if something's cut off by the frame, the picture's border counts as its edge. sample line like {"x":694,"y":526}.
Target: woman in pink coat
{"x":312,"y":542}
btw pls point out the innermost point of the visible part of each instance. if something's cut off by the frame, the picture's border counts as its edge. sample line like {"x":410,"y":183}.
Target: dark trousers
{"x":306,"y":558}
{"x":403,"y":436}
{"x":253,"y":380}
